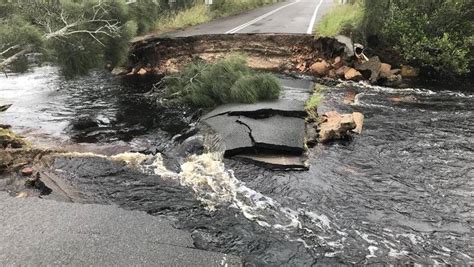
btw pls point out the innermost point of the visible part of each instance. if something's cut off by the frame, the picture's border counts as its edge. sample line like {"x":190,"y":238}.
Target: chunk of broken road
{"x":271,"y":133}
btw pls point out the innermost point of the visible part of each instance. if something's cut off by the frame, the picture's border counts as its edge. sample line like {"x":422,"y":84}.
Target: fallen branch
{"x":13,"y":58}
{"x":9,"y":49}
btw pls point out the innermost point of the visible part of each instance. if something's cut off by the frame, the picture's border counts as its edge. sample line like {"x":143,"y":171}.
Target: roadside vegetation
{"x":435,"y":35}
{"x":227,"y":80}
{"x":81,"y":35}
{"x":341,"y":19}
{"x":199,"y":13}
{"x":311,"y":105}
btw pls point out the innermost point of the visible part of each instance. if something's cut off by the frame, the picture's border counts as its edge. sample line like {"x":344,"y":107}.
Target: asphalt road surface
{"x":294,"y":16}
{"x":37,"y":232}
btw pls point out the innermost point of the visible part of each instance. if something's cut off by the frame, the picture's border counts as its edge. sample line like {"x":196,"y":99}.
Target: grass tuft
{"x":340,"y":19}
{"x":311,"y":105}
{"x":200,"y":13}
{"x":227,"y":80}
{"x":184,"y":18}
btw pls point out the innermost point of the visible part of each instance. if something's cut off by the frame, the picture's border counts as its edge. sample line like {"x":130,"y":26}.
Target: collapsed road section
{"x":276,"y":52}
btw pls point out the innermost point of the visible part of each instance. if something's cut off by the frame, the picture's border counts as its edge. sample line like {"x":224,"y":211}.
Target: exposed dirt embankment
{"x":276,"y":52}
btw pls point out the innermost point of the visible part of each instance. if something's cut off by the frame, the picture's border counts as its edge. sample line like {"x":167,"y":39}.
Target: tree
{"x":433,"y":34}
{"x":75,"y":33}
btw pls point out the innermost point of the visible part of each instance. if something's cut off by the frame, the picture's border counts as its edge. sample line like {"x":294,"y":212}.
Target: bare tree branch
{"x":13,"y":58}
{"x":9,"y":49}
{"x":60,"y":25}
{"x":107,"y":27}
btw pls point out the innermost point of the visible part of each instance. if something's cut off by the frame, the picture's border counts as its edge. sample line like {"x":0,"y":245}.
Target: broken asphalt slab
{"x":44,"y":233}
{"x":272,"y":132}
{"x":289,"y":108}
{"x":285,"y":134}
{"x":245,"y":135}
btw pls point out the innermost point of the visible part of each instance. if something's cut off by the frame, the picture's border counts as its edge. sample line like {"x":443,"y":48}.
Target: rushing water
{"x":402,"y":192}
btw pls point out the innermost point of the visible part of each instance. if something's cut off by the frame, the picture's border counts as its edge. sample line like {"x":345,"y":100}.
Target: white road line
{"x":313,"y":18}
{"x":245,"y":25}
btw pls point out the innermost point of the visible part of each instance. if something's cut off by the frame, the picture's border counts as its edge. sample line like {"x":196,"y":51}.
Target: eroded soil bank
{"x":334,"y":58}
{"x":277,"y":52}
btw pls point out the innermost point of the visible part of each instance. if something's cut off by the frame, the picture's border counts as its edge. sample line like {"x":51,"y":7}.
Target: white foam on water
{"x":366,"y":237}
{"x":131,"y":158}
{"x":372,"y":250}
{"x":395,"y":253}
{"x":413,"y":238}
{"x":213,"y":185}
{"x":332,"y":254}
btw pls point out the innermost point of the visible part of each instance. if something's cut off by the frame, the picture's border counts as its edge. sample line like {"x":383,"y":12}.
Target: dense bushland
{"x":80,"y":35}
{"x":436,"y":35}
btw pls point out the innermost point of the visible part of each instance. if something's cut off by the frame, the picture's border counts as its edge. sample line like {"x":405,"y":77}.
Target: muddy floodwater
{"x":402,"y":192}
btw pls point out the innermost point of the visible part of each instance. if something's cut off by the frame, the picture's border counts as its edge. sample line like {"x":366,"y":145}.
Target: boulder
{"x":395,"y":71}
{"x":352,"y":74}
{"x":341,"y":71}
{"x":141,"y":71}
{"x":336,"y":126}
{"x":301,"y":67}
{"x":409,"y":71}
{"x":337,"y":63}
{"x":320,"y":68}
{"x":371,"y":67}
{"x":394,"y":80}
{"x":27,"y":171}
{"x":385,"y":70}
{"x":359,"y":121}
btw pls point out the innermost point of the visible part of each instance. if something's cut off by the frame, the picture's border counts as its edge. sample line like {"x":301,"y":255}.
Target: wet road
{"x":50,"y":233}
{"x":298,"y":16}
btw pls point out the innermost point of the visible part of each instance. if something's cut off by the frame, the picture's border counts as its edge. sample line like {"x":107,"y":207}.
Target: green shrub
{"x":427,"y":37}
{"x":227,"y":80}
{"x":434,"y":34}
{"x":196,"y":12}
{"x":184,"y":18}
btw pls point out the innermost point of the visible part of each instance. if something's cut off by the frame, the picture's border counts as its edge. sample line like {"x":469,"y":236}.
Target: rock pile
{"x":335,"y":126}
{"x":372,"y":70}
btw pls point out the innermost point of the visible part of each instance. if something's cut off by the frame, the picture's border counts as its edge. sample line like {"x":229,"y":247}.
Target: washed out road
{"x":45,"y":233}
{"x":295,"y":16}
